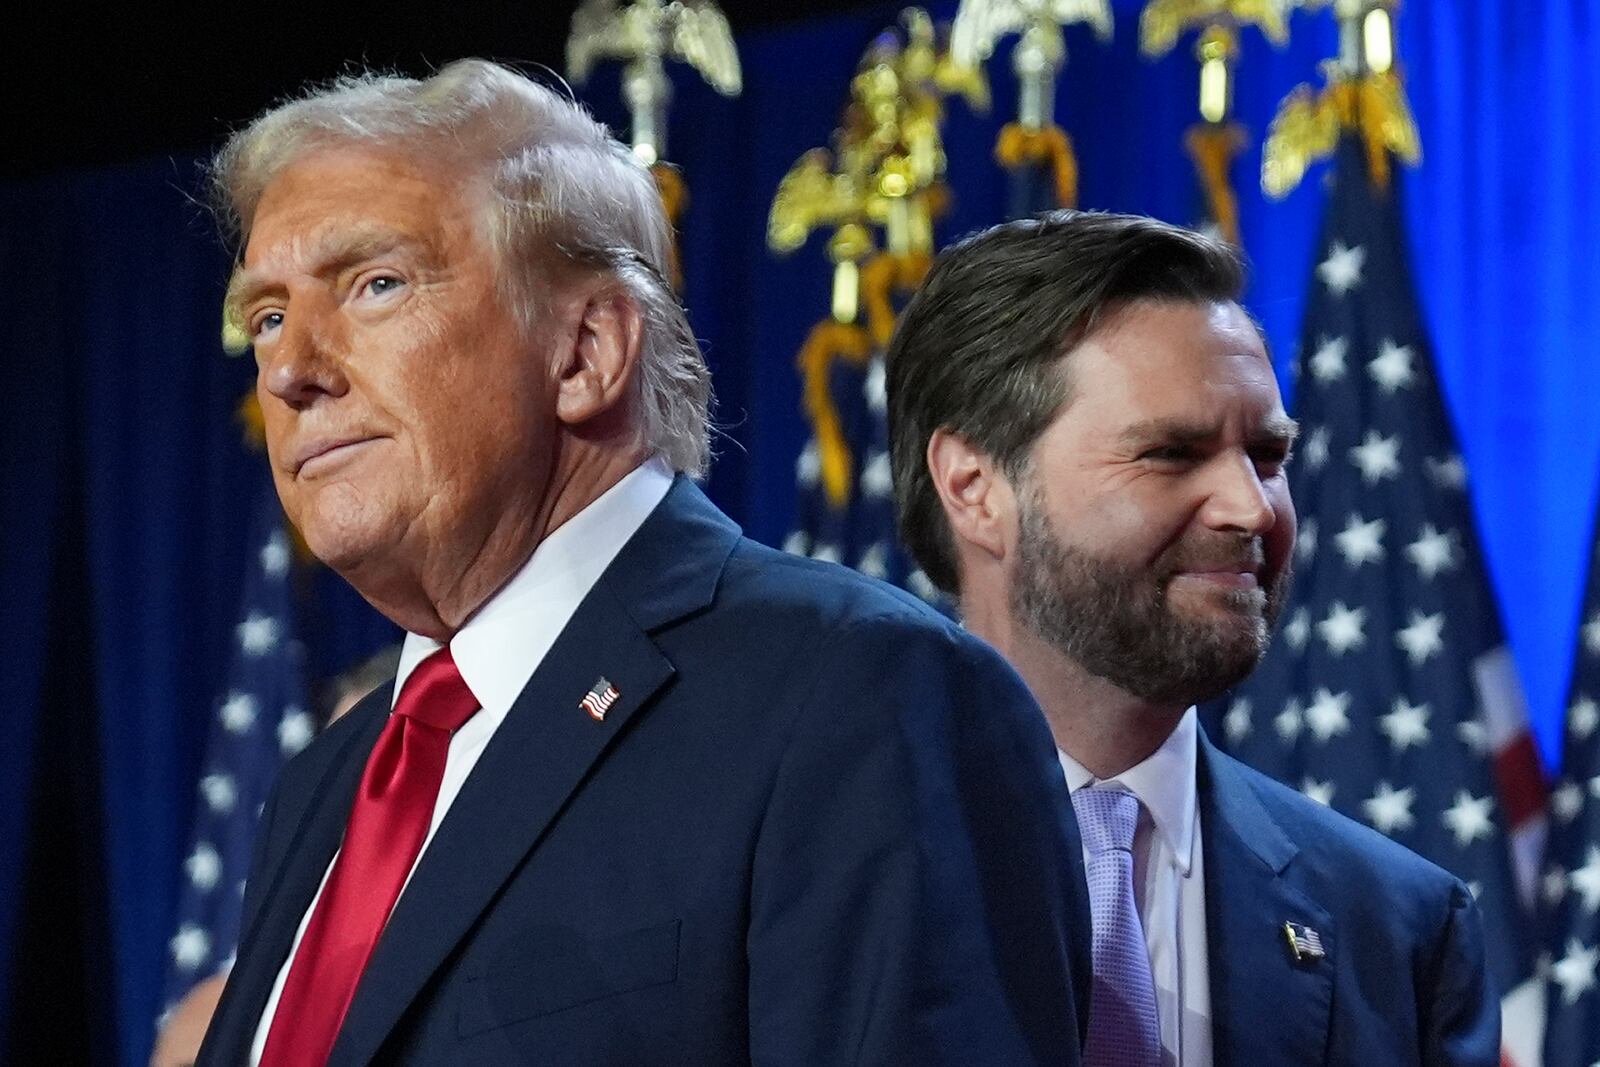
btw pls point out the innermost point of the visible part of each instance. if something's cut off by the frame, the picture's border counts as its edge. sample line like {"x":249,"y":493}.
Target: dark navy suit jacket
{"x":821,"y":825}
{"x":1403,"y":979}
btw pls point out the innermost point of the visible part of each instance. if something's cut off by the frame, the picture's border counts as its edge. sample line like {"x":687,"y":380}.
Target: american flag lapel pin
{"x":598,"y":700}
{"x":1305,"y":944}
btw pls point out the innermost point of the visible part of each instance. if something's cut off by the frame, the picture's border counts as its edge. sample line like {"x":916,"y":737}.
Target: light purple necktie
{"x":1124,"y":1030}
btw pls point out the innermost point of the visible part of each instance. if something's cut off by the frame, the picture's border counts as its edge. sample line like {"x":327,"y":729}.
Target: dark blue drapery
{"x":122,"y":471}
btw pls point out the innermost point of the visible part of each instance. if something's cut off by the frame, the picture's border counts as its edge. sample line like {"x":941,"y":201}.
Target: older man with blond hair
{"x":641,"y":791}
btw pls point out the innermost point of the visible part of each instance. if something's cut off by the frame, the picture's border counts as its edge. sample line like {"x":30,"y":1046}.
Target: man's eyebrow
{"x":330,"y":253}
{"x":1180,"y":431}
{"x":1279,"y":428}
{"x":1177,"y":430}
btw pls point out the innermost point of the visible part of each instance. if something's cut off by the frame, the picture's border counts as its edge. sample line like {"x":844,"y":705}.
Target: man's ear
{"x":605,"y":356}
{"x":978,"y":500}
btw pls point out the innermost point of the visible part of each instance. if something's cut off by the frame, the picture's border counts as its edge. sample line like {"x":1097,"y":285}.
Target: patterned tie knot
{"x":436,"y":695}
{"x":1106,"y":818}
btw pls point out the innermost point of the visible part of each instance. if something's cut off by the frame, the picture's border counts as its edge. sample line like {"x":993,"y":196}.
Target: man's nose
{"x":306,"y":362}
{"x":1237,"y":501}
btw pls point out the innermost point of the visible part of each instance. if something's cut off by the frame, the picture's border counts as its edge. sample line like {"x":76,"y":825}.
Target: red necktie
{"x":387,"y":825}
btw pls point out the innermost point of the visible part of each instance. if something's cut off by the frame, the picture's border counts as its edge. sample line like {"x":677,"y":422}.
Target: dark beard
{"x":1115,"y":622}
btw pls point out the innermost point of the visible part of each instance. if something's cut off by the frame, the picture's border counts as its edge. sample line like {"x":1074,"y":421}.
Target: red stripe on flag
{"x":1520,"y":779}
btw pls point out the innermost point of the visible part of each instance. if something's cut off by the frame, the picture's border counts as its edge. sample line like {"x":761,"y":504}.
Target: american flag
{"x":598,"y":700}
{"x":1571,"y":884}
{"x":862,"y":533}
{"x":1389,"y":692}
{"x":260,"y":720}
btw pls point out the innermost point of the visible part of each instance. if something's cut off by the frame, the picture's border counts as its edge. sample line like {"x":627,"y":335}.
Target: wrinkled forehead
{"x":1151,"y":358}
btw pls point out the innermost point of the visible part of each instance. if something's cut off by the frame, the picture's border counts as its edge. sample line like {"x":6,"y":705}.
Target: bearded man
{"x":1089,"y":447}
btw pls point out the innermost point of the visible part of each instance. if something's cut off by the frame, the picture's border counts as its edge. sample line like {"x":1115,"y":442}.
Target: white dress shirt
{"x":499,"y":648}
{"x":1170,"y":887}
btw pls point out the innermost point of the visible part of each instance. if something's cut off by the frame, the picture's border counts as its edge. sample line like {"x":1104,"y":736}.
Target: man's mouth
{"x":322,"y":454}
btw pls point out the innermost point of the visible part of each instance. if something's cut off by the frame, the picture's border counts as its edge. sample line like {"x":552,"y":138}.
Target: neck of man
{"x":1096,"y":722}
{"x":436,"y":589}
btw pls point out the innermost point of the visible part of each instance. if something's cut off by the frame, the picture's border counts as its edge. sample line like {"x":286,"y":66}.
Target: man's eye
{"x":381,"y":285}
{"x":1273,"y":459}
{"x":1169,"y":454}
{"x":265,"y":323}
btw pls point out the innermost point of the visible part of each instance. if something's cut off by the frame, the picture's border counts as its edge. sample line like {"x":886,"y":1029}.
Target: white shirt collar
{"x":1164,"y":784}
{"x":499,"y":647}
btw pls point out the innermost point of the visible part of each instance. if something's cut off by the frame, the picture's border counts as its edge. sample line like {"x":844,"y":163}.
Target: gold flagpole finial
{"x":1363,"y":94}
{"x":1034,"y":137}
{"x":1216,"y":140}
{"x":644,"y":34}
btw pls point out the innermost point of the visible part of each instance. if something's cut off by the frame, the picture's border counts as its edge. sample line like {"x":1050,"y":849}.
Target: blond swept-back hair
{"x":562,"y":190}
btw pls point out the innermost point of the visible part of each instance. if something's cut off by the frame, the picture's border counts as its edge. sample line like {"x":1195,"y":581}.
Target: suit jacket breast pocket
{"x":547,"y":969}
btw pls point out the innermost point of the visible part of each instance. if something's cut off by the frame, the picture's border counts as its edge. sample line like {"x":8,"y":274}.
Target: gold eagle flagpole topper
{"x":1041,"y":51}
{"x":1215,"y":141}
{"x":644,"y":34}
{"x":1363,"y":94}
{"x":885,"y":172}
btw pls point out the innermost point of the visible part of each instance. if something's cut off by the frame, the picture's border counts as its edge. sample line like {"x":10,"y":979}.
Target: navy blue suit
{"x":1403,"y":980}
{"x":821,"y":825}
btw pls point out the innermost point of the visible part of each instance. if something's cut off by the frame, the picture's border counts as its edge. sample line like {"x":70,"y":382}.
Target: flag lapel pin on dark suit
{"x":1305,"y":944}
{"x":598,"y":700}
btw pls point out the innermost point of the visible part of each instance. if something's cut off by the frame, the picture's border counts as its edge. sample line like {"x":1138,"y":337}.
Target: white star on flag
{"x":1433,"y":551}
{"x":275,"y":554}
{"x":827,"y":553}
{"x":1574,"y":972}
{"x":876,"y":480}
{"x":1594,"y":787}
{"x":1288,"y":721}
{"x":1327,"y":362}
{"x":1422,"y":637}
{"x":1406,"y":724}
{"x":920,"y":584}
{"x":1318,"y":444}
{"x":874,"y":562}
{"x":875,"y":387}
{"x":1583,"y":717}
{"x":1554,"y":885}
{"x":220,"y":792}
{"x":1474,"y":735}
{"x":1305,"y":541}
{"x":1389,"y":809}
{"x":190,"y":946}
{"x":295,"y":730}
{"x":1342,"y":630}
{"x":1377,"y":457}
{"x":203,"y":866}
{"x":1591,"y":634}
{"x":1321,"y":792}
{"x":1328,"y":714}
{"x":808,"y":467}
{"x":1298,"y":628}
{"x":1341,"y":271}
{"x":258,"y":634}
{"x":1566,"y":800}
{"x":1448,"y":473}
{"x":1468,"y":818}
{"x":1361,"y":541}
{"x":238,"y":712}
{"x":1585,"y":881}
{"x":1236,"y":723}
{"x":1392,"y":369}
{"x":795,"y":543}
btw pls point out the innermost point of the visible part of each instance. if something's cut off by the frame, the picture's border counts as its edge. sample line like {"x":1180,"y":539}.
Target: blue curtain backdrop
{"x":123,"y":473}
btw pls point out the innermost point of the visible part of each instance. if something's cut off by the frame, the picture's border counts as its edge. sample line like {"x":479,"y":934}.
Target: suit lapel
{"x":1266,"y":1007}
{"x":313,"y":837}
{"x":540,"y":755}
